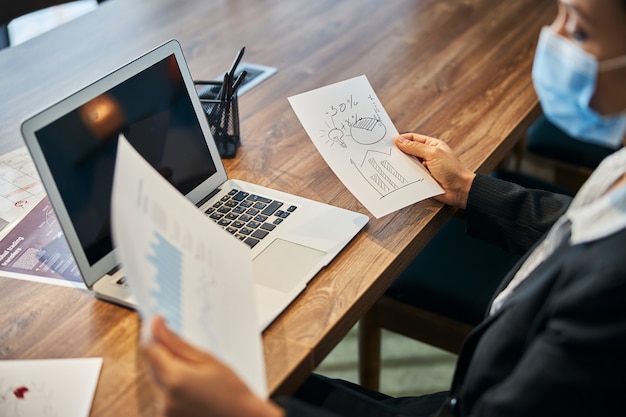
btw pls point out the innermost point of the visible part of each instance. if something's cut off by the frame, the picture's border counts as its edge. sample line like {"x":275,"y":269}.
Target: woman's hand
{"x":194,"y":383}
{"x":443,"y":165}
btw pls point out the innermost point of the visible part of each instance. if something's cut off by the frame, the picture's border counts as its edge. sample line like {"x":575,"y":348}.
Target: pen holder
{"x":223,"y":117}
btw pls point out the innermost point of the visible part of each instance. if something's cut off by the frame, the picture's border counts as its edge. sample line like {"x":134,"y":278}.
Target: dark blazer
{"x":557,"y":347}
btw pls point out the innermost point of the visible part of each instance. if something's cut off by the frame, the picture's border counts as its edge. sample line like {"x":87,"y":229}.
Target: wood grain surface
{"x":454,"y":69}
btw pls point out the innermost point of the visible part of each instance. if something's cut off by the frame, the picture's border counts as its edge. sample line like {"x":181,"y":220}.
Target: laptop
{"x":152,"y":101}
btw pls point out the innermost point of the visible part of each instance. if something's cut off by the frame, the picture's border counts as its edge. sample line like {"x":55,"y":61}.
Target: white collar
{"x":594,"y":213}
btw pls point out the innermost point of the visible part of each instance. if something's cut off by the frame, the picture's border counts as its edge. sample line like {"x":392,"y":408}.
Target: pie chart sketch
{"x":368,"y":131}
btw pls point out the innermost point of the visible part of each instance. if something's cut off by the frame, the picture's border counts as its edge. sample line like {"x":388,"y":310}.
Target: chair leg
{"x":518,"y":151}
{"x":369,"y":351}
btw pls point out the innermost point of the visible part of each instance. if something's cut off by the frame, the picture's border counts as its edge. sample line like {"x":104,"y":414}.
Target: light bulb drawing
{"x":336,"y":136}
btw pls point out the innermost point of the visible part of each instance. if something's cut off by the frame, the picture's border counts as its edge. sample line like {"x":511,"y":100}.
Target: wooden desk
{"x":459,"y":70}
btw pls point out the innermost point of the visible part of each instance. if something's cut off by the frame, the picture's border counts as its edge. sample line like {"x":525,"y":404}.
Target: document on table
{"x":34,"y":249}
{"x":20,"y":187}
{"x":32,"y":245}
{"x":353,"y":133}
{"x":181,"y":265}
{"x":48,"y":387}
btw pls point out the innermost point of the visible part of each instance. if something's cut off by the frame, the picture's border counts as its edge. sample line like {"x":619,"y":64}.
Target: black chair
{"x":442,"y":294}
{"x":571,"y":159}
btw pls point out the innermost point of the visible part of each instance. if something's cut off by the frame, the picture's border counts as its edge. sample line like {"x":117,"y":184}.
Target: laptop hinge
{"x":114,"y":270}
{"x":208,"y":197}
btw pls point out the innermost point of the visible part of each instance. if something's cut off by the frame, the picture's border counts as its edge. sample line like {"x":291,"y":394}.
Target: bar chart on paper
{"x":173,"y":269}
{"x":167,"y":297}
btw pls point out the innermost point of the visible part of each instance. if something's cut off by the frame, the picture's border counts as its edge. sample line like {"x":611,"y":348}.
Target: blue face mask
{"x":564,"y":76}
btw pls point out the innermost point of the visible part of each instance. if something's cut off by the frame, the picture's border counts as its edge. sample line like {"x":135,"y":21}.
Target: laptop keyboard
{"x":249,"y":217}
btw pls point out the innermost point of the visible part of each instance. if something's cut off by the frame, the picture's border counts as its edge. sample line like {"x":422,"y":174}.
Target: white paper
{"x":353,"y":133}
{"x":181,"y":265}
{"x":20,"y":188}
{"x":48,"y":387}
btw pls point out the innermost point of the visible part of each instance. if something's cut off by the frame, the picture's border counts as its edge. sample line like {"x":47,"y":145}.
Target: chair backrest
{"x":14,"y":9}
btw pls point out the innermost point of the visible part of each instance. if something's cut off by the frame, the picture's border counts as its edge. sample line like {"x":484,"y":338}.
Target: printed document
{"x":183,"y":266}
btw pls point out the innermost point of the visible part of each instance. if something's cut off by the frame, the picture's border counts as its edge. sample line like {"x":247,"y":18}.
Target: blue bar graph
{"x":167,"y":260}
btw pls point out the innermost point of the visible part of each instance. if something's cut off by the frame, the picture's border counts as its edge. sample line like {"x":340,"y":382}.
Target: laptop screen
{"x":154,"y":112}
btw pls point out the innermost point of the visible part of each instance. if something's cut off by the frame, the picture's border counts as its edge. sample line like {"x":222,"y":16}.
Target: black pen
{"x":238,"y":82}
{"x":236,"y":62}
{"x":225,"y":87}
{"x":231,"y":72}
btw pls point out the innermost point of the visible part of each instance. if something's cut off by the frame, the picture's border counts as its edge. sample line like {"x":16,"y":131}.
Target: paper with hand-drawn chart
{"x":353,"y":133}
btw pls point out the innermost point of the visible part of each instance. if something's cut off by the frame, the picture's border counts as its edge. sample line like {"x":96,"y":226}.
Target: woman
{"x":554,"y":342}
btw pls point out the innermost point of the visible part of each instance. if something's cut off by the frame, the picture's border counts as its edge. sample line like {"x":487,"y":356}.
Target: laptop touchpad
{"x":282,"y":265}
